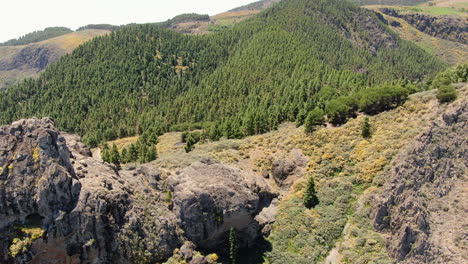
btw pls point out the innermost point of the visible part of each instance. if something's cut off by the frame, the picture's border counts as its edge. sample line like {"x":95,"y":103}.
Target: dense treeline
{"x":390,"y":2}
{"x":142,"y":151}
{"x":99,"y":26}
{"x":36,"y":36}
{"x":458,"y":74}
{"x":275,"y":67}
{"x":184,"y":18}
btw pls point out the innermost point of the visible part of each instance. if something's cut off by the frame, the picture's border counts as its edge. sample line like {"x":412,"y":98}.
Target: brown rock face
{"x":423,"y":207}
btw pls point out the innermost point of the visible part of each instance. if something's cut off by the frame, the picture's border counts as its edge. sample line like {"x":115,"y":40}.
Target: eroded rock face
{"x":210,"y":198}
{"x":423,"y":206}
{"x":36,"y":175}
{"x":287,"y":169}
{"x":90,"y":213}
{"x":444,"y":27}
{"x":86,"y":211}
{"x":34,"y":57}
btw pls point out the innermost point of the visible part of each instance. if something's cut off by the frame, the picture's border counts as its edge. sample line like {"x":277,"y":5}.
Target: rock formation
{"x":209,"y":198}
{"x":444,"y":27}
{"x":60,"y":205}
{"x":422,"y":207}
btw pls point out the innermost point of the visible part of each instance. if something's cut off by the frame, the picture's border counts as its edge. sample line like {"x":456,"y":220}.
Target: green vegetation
{"x":191,"y":139}
{"x":443,"y":82}
{"x":245,"y":80}
{"x":458,"y":74}
{"x":390,"y":2}
{"x":314,"y":118}
{"x":370,"y":101}
{"x":366,"y":130}
{"x":216,"y":28}
{"x":36,"y":36}
{"x":435,"y":10}
{"x":344,"y":166}
{"x":446,"y":94}
{"x":184,"y":18}
{"x":99,"y":26}
{"x":142,"y":151}
{"x":310,"y":196}
{"x":232,"y":246}
{"x":24,"y":237}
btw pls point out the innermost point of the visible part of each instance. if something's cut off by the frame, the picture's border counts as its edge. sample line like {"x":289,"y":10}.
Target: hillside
{"x":28,"y":60}
{"x":301,"y":132}
{"x":177,"y":204}
{"x":390,"y":2}
{"x":230,"y":18}
{"x":145,"y":78}
{"x":443,"y":46}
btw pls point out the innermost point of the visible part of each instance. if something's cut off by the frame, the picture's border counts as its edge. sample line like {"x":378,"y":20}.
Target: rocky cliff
{"x":444,"y":27}
{"x":60,"y":205}
{"x":422,"y":208}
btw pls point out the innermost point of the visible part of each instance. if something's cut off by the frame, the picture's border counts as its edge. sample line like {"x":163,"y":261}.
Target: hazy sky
{"x":19,"y":17}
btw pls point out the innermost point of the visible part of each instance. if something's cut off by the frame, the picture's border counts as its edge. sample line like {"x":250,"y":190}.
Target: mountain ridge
{"x":199,"y":75}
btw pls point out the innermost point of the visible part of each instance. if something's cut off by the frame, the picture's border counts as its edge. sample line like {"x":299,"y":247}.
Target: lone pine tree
{"x":310,"y":197}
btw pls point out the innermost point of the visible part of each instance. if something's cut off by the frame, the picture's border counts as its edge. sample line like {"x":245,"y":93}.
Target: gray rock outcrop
{"x":287,"y":169}
{"x":422,"y":208}
{"x":89,"y":212}
{"x":209,"y":198}
{"x":58,"y":204}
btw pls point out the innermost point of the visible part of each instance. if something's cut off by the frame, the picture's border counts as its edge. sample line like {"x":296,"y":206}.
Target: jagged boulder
{"x":210,"y":198}
{"x":292,"y":164}
{"x":36,"y":175}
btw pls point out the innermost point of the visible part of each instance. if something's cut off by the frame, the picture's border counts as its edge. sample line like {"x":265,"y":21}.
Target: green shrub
{"x":314,"y":118}
{"x":454,"y":75}
{"x":337,"y":111}
{"x":381,"y":98}
{"x":446,"y":94}
{"x":192,"y":139}
{"x":232,"y":246}
{"x":184,"y":135}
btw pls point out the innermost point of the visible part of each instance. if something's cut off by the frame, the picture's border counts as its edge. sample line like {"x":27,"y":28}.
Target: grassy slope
{"x":61,"y":45}
{"x":445,"y":7}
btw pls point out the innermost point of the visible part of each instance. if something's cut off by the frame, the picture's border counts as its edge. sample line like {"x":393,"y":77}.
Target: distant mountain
{"x":22,"y":61}
{"x":259,"y":5}
{"x":99,"y":26}
{"x":390,"y":2}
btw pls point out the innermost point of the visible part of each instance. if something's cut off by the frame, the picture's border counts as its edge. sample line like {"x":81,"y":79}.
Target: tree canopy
{"x":245,"y":80}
